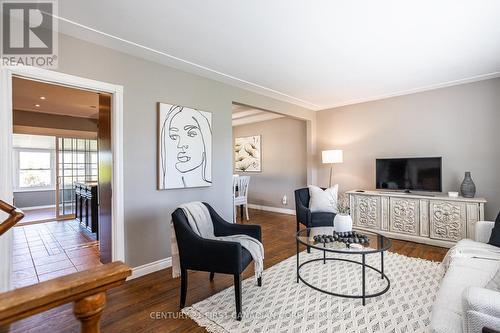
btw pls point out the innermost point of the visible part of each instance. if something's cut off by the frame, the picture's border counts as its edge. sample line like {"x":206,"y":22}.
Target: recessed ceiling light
{"x":37,"y":105}
{"x":42,"y":97}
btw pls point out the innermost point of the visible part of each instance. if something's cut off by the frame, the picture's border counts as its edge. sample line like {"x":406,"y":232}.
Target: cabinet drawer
{"x":447,"y":220}
{"x":367,"y":211}
{"x":404,"y":216}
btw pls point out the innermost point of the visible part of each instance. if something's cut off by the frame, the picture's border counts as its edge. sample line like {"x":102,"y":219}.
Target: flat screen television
{"x":409,"y":174}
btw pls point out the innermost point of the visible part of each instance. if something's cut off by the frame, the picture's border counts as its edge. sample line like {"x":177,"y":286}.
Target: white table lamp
{"x":332,"y":157}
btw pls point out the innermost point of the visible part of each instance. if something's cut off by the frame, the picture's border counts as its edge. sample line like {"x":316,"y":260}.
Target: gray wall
{"x":147,"y":211}
{"x":34,"y":198}
{"x":459,"y":123}
{"x":284,"y":160}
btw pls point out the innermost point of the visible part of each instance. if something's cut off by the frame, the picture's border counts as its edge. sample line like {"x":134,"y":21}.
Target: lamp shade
{"x":332,"y":156}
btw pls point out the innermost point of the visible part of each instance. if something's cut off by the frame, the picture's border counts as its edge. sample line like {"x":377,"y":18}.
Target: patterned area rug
{"x":283,"y":305}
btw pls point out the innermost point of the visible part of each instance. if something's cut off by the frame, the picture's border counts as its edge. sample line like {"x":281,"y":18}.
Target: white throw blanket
{"x":200,"y":222}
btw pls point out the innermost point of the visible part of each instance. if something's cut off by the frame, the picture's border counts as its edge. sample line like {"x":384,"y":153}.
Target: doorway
{"x":65,"y":237}
{"x":269,"y":158}
{"x":113,"y":95}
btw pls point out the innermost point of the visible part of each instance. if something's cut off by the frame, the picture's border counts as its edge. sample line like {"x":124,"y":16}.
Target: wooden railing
{"x":87,"y":289}
{"x":15,"y":215}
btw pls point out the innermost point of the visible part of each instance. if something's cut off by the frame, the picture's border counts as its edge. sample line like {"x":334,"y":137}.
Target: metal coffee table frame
{"x":363,"y":264}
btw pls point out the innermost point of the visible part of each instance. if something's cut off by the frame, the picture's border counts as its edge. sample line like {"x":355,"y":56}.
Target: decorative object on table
{"x":453,"y":194}
{"x":342,"y":221}
{"x":323,"y":200}
{"x":332,"y":157}
{"x":184,"y":147}
{"x":468,"y":188}
{"x":247,"y":154}
{"x":348,"y":238}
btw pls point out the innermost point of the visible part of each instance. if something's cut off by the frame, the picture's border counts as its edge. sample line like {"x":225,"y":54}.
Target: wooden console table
{"x":86,"y":205}
{"x":434,"y":219}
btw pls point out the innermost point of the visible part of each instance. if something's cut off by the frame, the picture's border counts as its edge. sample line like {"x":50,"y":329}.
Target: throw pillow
{"x":494,"y":283}
{"x":495,"y":233}
{"x":323,"y":200}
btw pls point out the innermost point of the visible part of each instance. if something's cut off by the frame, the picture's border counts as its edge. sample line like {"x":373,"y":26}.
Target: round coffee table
{"x":377,"y":244}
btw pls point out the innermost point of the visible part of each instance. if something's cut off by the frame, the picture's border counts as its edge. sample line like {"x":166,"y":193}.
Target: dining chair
{"x":240,"y":194}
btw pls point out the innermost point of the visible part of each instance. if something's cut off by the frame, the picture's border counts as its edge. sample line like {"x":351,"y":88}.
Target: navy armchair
{"x":306,"y":217}
{"x":214,"y":256}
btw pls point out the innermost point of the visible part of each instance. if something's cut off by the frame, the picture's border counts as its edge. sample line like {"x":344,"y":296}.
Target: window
{"x":34,"y":169}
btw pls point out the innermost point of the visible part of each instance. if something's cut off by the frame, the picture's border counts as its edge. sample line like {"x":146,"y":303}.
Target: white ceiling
{"x":243,"y":115}
{"x":317,"y":54}
{"x":58,"y":100}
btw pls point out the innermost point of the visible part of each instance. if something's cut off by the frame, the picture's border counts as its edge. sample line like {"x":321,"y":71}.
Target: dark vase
{"x":468,"y":188}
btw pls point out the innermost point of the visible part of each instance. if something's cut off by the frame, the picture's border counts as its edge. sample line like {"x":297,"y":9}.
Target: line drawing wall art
{"x":247,"y":154}
{"x":184,"y":147}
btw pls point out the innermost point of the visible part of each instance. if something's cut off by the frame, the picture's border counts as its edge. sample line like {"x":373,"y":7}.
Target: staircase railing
{"x":15,"y":215}
{"x":87,"y":289}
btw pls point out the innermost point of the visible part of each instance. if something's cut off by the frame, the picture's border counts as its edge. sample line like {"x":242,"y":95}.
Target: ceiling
{"x":58,"y":100}
{"x":317,"y":54}
{"x":243,"y":115}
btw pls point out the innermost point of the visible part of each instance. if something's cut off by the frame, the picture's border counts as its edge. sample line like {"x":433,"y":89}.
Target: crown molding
{"x":81,"y":31}
{"x":256,"y":118}
{"x":452,"y":83}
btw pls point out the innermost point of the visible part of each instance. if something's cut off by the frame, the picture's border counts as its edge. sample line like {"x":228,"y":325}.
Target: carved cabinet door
{"x":367,"y":211}
{"x":447,"y":220}
{"x":404,"y":216}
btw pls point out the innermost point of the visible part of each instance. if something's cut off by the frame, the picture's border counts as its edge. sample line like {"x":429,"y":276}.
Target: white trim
{"x":37,"y":189}
{"x":150,"y":268}
{"x":17,"y":169}
{"x":273,"y":209}
{"x":36,"y":207}
{"x":255,"y":119}
{"x":6,"y":193}
{"x":435,"y":86}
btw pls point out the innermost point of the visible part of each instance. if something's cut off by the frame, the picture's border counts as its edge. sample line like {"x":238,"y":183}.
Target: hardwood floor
{"x":132,"y":307}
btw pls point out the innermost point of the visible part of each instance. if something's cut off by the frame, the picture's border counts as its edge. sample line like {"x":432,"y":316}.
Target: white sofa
{"x":462,"y":303}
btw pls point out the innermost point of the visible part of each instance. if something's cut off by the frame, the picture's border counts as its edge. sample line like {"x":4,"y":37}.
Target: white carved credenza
{"x":431,"y":219}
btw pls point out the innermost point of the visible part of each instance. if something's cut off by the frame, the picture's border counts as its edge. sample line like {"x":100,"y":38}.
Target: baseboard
{"x":273,"y":209}
{"x":37,"y":207}
{"x":150,"y":267}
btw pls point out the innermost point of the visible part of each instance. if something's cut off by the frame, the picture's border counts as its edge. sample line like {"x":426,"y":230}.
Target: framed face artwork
{"x":184,"y":147}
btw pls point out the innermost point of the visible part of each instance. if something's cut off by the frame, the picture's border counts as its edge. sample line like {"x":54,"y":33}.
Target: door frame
{"x":6,"y":132}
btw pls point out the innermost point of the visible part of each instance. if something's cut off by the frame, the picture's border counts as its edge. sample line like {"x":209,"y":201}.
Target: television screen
{"x":417,"y":174}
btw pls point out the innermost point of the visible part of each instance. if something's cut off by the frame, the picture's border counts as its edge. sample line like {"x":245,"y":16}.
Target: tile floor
{"x":48,"y":250}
